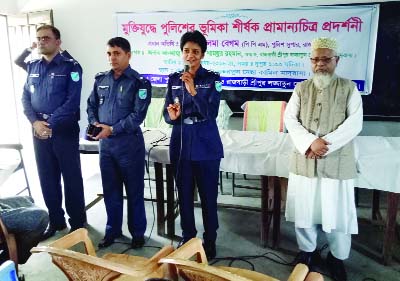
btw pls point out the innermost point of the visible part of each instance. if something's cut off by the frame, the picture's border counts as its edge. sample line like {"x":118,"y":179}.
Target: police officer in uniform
{"x":118,"y":105}
{"x":51,"y":100}
{"x":191,"y":106}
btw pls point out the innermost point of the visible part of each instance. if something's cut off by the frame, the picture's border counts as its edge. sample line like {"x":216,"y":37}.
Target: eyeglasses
{"x":324,"y":60}
{"x":44,"y":38}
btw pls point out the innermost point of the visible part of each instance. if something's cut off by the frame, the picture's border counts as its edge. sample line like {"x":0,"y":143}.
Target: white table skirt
{"x":268,"y":153}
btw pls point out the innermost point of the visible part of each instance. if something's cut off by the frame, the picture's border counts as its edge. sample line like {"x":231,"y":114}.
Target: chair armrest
{"x":73,"y":238}
{"x":16,"y":146}
{"x":91,"y":260}
{"x":299,"y":272}
{"x":195,"y":266}
{"x":193,"y":247}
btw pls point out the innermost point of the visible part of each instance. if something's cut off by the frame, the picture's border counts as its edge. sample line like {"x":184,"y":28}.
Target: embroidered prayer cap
{"x":324,"y":43}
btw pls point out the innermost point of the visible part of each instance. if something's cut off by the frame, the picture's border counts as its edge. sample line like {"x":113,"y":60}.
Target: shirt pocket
{"x":125,"y":99}
{"x":58,"y":82}
{"x":33,"y":84}
{"x":103,"y":93}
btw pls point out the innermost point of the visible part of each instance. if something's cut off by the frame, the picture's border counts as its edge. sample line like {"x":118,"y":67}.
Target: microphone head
{"x":186,"y":67}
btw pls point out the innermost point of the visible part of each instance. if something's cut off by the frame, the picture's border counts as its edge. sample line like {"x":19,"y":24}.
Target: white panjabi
{"x":324,"y":43}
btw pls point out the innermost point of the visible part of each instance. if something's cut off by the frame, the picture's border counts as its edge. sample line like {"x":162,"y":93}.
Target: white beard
{"x":322,"y":80}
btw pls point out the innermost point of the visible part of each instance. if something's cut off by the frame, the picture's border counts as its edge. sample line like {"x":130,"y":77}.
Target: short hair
{"x":53,"y":29}
{"x":196,"y":37}
{"x":120,"y":42}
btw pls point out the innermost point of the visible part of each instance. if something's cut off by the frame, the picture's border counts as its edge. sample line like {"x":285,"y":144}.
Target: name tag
{"x":52,"y":75}
{"x":34,"y":75}
{"x":203,"y":86}
{"x":176,"y":87}
{"x":103,"y":87}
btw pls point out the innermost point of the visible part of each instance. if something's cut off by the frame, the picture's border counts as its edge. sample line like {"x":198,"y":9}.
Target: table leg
{"x":276,"y":226}
{"x":264,"y":211}
{"x":170,"y":202}
{"x":158,"y":170}
{"x":392,"y":206}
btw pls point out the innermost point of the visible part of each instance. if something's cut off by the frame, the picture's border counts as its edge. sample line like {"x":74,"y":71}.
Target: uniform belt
{"x":192,"y":120}
{"x":44,"y":116}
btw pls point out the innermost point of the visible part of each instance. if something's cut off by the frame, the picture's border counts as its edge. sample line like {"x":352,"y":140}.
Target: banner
{"x":255,"y":49}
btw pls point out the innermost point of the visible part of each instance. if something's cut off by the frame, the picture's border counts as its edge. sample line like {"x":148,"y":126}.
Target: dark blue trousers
{"x":206,"y":175}
{"x":56,"y":156}
{"x":122,"y":163}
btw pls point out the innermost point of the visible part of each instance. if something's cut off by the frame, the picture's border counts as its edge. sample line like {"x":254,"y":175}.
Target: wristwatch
{"x":112,"y":130}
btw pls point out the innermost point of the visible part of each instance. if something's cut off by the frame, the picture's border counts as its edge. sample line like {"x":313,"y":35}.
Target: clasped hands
{"x":41,"y":130}
{"x":317,"y":149}
{"x":104,"y":133}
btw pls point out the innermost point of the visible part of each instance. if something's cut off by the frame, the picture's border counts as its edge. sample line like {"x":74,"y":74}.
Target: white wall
{"x":86,"y":25}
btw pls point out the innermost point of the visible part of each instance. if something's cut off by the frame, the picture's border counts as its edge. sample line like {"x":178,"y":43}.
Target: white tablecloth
{"x":257,"y":153}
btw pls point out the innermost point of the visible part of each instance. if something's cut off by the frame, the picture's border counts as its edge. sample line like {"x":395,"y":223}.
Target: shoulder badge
{"x":218,"y":86}
{"x":75,"y":76}
{"x":142,"y":94}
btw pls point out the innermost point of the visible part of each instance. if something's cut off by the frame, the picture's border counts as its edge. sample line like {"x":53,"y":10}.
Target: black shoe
{"x":312,"y":259}
{"x":105,"y":242}
{"x":336,"y":268}
{"x":51,"y":230}
{"x":210,"y":249}
{"x":183,"y":241}
{"x":304,"y":258}
{"x":137,"y":243}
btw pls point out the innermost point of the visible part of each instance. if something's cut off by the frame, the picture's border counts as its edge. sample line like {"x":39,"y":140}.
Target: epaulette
{"x":214,"y":72}
{"x":144,"y":80}
{"x":99,"y":74}
{"x":177,"y":73}
{"x":33,"y":61}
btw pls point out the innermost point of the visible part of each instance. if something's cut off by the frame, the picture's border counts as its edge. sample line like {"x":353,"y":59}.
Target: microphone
{"x":176,"y":100}
{"x":186,"y":67}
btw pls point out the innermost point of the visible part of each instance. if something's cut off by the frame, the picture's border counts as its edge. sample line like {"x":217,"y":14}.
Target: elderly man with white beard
{"x":323,"y":117}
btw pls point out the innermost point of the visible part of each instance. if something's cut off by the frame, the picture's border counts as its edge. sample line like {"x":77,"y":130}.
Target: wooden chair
{"x":7,"y":240}
{"x":87,"y":266}
{"x":198,"y":269}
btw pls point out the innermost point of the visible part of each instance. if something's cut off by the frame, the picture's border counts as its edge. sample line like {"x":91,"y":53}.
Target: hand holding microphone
{"x":188,"y":78}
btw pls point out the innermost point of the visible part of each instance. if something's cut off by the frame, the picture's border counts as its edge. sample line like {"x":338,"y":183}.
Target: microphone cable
{"x":178,"y":165}
{"x":147,"y":169}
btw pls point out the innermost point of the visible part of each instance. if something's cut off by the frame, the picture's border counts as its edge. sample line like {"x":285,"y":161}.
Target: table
{"x":267,"y":154}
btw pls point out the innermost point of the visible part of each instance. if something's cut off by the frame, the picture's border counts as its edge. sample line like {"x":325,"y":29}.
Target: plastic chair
{"x":8,"y":271}
{"x":87,"y":266}
{"x":154,"y":117}
{"x":9,"y":169}
{"x":181,"y":265}
{"x":224,"y":113}
{"x":264,"y":116}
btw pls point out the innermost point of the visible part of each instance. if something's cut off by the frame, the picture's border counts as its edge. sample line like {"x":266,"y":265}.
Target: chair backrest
{"x":9,"y":244}
{"x":8,"y":271}
{"x":224,"y":113}
{"x":154,"y":117}
{"x":264,"y":116}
